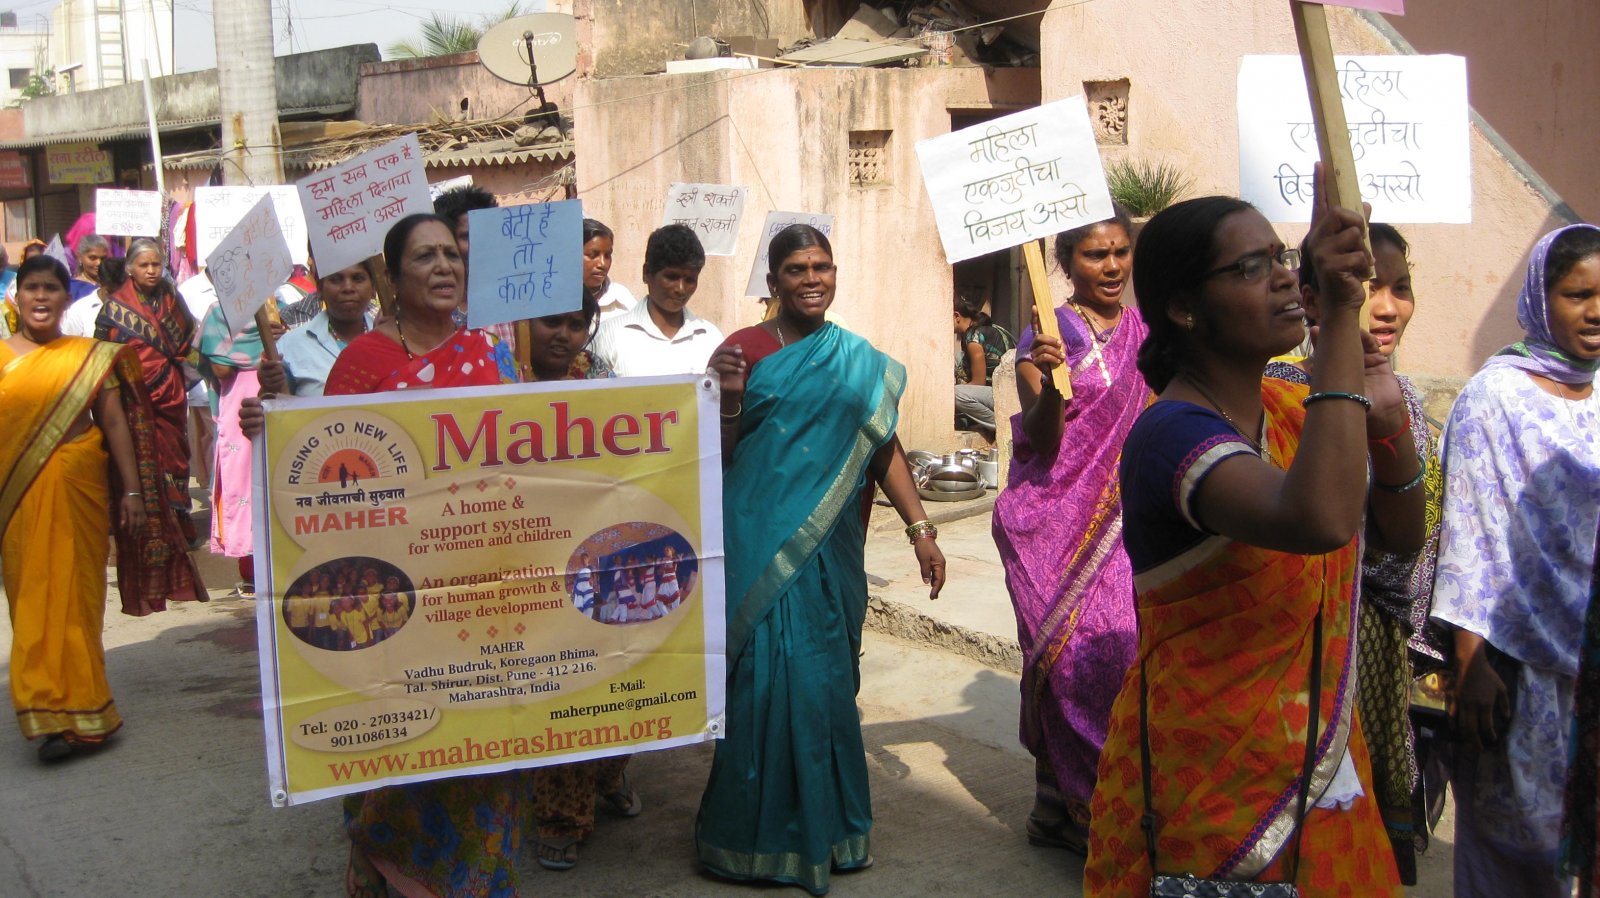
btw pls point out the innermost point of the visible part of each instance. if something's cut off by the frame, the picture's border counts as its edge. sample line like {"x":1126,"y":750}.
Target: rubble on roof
{"x":914,"y":32}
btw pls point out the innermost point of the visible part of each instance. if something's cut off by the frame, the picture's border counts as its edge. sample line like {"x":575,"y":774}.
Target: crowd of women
{"x":794,"y":625}
{"x":1229,"y":562}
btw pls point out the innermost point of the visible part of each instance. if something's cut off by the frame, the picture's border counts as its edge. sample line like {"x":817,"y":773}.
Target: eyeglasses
{"x":1253,"y":266}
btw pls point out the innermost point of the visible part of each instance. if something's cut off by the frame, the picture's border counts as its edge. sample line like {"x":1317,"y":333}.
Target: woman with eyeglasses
{"x":1243,"y":502}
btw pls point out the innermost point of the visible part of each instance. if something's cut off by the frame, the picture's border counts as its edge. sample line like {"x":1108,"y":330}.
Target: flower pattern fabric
{"x":1521,"y":507}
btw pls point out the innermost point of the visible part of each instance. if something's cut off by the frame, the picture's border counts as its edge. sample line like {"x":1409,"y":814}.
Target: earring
{"x":1188,"y":322}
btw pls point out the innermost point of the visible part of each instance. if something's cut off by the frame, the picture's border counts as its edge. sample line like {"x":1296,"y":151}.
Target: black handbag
{"x":1186,"y":885}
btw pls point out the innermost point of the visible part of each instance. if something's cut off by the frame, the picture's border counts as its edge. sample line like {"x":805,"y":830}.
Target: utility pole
{"x":252,"y":151}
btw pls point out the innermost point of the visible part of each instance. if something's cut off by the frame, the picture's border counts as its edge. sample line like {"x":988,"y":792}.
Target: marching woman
{"x":454,"y":837}
{"x":812,"y":406}
{"x":147,"y":314}
{"x":1516,"y":555}
{"x":1234,"y":738}
{"x":78,"y":452}
{"x":1058,"y":526}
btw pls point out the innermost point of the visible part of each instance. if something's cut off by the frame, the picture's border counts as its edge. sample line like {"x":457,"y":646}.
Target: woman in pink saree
{"x":1058,"y":525}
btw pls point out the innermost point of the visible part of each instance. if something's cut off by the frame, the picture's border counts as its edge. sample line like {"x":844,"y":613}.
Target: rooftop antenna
{"x":533,"y":50}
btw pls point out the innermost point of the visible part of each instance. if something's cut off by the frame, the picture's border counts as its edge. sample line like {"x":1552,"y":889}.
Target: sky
{"x":299,"y":25}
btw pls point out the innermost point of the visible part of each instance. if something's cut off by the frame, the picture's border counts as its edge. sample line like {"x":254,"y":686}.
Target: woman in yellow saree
{"x":1244,"y":500}
{"x":67,"y":401}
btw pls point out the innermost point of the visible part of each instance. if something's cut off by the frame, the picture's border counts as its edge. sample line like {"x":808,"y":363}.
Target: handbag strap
{"x":1147,"y":823}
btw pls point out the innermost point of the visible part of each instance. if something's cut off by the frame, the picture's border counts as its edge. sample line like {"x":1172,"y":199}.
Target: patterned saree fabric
{"x":162,"y":333}
{"x":1226,"y":632}
{"x":374,"y":362}
{"x":1398,"y":591}
{"x":1516,"y":557}
{"x":1058,"y":526}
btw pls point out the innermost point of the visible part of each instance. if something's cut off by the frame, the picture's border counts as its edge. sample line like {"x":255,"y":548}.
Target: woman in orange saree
{"x":1245,"y":549}
{"x":67,"y":401}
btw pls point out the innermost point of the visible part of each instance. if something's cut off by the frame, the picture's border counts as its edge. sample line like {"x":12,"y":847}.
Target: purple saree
{"x":1058,"y":526}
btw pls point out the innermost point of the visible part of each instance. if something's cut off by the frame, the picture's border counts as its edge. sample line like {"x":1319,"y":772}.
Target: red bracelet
{"x":1388,"y":441}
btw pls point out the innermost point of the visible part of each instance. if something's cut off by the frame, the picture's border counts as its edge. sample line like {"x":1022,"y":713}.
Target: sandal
{"x":557,"y":853}
{"x":624,"y":802}
{"x":54,"y":748}
{"x":857,"y":868}
{"x":1061,"y":833}
{"x":361,"y":879}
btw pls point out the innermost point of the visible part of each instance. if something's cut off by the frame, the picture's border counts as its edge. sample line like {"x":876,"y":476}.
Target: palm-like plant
{"x":442,"y":35}
{"x":1144,"y":187}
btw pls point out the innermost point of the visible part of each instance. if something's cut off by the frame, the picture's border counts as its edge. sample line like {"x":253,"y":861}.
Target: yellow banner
{"x":77,"y":163}
{"x":471,"y":580}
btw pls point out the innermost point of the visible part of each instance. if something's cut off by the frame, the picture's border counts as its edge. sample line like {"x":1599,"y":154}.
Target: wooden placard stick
{"x":524,"y":350}
{"x":1046,"y":310}
{"x":379,"y":273}
{"x":269,"y":343}
{"x":1327,"y":112}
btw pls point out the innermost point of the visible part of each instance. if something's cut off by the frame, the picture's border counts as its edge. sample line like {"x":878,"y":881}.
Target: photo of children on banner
{"x":349,"y":603}
{"x":631,"y":573}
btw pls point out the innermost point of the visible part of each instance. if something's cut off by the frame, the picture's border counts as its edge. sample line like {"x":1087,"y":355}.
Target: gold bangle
{"x":736,"y":412}
{"x":921,"y":529}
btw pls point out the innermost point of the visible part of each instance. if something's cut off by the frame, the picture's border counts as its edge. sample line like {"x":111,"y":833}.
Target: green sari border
{"x":794,"y":553}
{"x":850,"y":853}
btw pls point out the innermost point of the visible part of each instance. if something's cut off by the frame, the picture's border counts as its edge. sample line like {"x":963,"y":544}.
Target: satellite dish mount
{"x":548,"y":113}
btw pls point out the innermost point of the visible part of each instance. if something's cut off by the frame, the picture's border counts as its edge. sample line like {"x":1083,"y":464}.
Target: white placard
{"x":1408,"y":123}
{"x":218,"y":209}
{"x":127,"y":213}
{"x":712,"y":210}
{"x":777,"y":221}
{"x":1017,"y":178}
{"x":350,"y":207}
{"x":249,"y":264}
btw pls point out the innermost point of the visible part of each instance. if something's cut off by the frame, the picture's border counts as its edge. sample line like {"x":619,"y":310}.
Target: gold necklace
{"x":1259,"y":444}
{"x":1102,"y":332}
{"x":779,"y":328}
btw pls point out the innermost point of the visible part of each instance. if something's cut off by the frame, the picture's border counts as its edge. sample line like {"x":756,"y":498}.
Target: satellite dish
{"x":503,"y":49}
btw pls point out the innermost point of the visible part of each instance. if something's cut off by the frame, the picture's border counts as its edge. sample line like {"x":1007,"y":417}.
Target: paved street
{"x":177,"y":805}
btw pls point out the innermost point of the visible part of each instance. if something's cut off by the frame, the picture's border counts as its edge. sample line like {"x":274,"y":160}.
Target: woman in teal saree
{"x":809,"y":413}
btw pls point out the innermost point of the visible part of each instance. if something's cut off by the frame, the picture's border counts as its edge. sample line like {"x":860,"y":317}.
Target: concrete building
{"x":104,"y":43}
{"x":24,"y":53}
{"x":111,"y":124}
{"x":841,"y":140}
{"x":457,"y":89}
{"x":1532,"y":74}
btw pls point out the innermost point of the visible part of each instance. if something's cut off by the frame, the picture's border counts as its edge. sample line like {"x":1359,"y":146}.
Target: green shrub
{"x":1144,"y":187}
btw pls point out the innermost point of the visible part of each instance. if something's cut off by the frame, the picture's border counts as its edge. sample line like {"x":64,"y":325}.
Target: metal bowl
{"x":919,"y":457}
{"x":977,"y":492}
{"x":967,"y":474}
{"x":953,"y":486}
